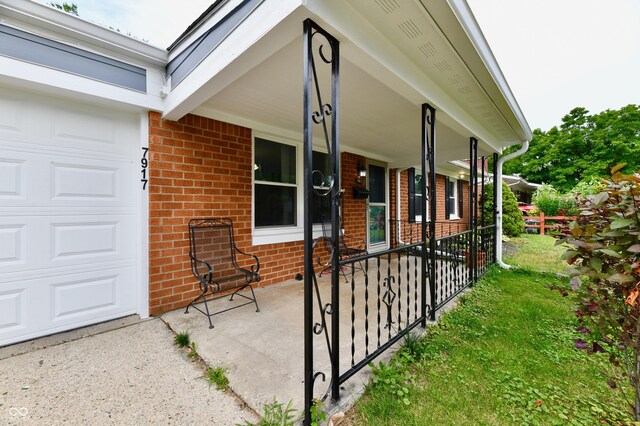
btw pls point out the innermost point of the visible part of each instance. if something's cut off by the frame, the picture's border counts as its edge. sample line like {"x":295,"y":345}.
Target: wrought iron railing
{"x":385,"y":302}
{"x":405,"y":232}
{"x":381,"y":298}
{"x":453,"y":266}
{"x":486,"y":248}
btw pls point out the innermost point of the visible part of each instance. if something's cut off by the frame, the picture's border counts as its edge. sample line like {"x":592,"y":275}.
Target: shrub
{"x":604,"y":250}
{"x":547,"y":200}
{"x":512,"y":221}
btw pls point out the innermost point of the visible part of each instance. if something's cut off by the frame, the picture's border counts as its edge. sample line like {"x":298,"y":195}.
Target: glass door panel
{"x":377,"y":208}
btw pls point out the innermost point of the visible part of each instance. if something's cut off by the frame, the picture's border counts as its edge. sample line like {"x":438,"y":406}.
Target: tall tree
{"x":585,"y":146}
{"x":69,"y":8}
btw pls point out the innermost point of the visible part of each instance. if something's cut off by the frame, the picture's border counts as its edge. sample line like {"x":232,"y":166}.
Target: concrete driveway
{"x":132,"y":374}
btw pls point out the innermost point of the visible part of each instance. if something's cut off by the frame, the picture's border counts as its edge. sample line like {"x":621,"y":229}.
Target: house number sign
{"x":144,"y":162}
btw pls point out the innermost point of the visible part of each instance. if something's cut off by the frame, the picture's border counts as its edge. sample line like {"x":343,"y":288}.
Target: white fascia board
{"x":462,"y":11}
{"x":214,"y":73}
{"x":380,"y":53}
{"x":60,"y":26}
{"x":27,"y":76}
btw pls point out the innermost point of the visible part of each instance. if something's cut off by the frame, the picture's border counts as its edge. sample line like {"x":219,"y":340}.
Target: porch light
{"x":362,"y":172}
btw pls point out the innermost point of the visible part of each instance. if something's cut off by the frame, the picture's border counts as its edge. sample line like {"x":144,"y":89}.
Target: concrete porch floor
{"x":264,"y":351}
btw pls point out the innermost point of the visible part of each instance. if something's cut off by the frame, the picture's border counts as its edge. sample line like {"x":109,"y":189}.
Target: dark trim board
{"x":187,"y":60}
{"x":38,"y":50}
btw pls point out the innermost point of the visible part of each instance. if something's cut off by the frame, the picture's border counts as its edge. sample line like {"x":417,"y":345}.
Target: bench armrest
{"x":256,"y":266}
{"x":207,"y":277}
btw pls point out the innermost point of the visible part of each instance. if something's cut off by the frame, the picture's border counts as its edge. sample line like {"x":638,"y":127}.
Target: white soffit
{"x":412,"y":30}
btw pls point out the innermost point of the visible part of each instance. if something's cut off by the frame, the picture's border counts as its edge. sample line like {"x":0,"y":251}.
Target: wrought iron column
{"x":482,"y":161}
{"x":325,"y":115}
{"x":429,"y":159}
{"x":473,"y":207}
{"x":495,"y":207}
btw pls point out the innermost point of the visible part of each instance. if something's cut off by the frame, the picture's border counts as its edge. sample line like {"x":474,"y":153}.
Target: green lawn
{"x":504,"y":356}
{"x":537,"y":252}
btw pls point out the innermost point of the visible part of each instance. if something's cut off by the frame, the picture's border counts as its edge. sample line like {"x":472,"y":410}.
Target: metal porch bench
{"x":214,"y":262}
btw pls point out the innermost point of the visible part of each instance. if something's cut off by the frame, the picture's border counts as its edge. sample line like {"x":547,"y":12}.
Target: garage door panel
{"x":29,"y":308}
{"x":78,"y":298}
{"x":88,"y":238}
{"x":11,"y":179}
{"x":13,"y":245}
{"x":12,"y":116}
{"x":45,"y":180}
{"x":81,"y":181}
{"x":53,"y":123}
{"x":13,"y":310}
{"x":30,"y":243}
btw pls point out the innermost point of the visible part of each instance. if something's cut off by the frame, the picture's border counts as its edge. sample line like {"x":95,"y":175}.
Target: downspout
{"x":498,"y":182}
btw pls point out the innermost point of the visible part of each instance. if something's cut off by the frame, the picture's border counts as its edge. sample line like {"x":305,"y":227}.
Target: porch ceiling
{"x":380,"y":106}
{"x":374,"y":120}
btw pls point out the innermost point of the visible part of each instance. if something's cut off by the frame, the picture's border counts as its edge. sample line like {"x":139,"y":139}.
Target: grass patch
{"x":217,"y":376}
{"x":537,"y":252}
{"x":182,"y":340}
{"x":504,"y":356}
{"x":276,"y":414}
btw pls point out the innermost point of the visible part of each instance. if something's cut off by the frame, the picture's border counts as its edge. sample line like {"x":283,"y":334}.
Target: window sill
{"x":288,"y":234}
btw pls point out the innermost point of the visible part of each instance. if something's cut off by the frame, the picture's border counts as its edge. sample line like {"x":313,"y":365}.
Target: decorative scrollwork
{"x":388,"y":298}
{"x":318,"y":328}
{"x":324,"y":379}
{"x":429,"y":117}
{"x":318,"y":116}
{"x":327,"y":59}
{"x":326,"y":183}
{"x":328,"y":309}
{"x":428,"y":310}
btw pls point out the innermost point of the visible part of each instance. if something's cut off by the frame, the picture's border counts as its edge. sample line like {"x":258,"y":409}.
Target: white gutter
{"x":498,"y":182}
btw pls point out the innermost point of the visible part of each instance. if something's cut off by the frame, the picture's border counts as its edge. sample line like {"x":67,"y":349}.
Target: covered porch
{"x":274,"y":123}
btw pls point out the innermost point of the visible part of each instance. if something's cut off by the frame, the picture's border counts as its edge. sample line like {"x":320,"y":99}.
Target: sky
{"x":555,"y":54}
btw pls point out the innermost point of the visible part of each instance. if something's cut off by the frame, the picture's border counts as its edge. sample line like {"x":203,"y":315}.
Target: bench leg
{"x":254,"y":298}
{"x":194,"y":301}
{"x":206,"y":305}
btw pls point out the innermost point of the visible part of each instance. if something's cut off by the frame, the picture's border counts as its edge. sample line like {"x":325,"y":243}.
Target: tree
{"x":604,"y":251}
{"x":512,"y":221}
{"x":584,"y":147}
{"x":66,"y":7}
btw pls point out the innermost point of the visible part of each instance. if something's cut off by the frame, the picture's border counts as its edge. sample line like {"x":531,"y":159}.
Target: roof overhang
{"x":394,"y":57}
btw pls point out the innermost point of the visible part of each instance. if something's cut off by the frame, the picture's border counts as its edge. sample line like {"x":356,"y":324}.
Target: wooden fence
{"x":540,"y":222}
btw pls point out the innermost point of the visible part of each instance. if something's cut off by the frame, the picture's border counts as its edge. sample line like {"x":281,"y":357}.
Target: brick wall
{"x":444,"y":226}
{"x":200,"y":168}
{"x":353,"y":211}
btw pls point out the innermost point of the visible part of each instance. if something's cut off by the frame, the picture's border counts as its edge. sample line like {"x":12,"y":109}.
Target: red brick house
{"x":109,"y":146}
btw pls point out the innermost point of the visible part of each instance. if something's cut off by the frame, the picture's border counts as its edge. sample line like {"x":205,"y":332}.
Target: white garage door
{"x":68,"y":215}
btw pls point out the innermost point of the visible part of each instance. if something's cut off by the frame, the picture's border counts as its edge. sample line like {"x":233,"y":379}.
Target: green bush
{"x":547,"y":200}
{"x":550,"y":202}
{"x":512,"y":221}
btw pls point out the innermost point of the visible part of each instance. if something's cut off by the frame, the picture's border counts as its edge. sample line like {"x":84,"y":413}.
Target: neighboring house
{"x":522,"y":189}
{"x":109,"y":146}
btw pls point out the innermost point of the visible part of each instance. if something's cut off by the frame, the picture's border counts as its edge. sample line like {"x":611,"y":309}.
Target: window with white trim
{"x":452,"y":198}
{"x":278,"y":202}
{"x":416,"y":196}
{"x":275,"y":184}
